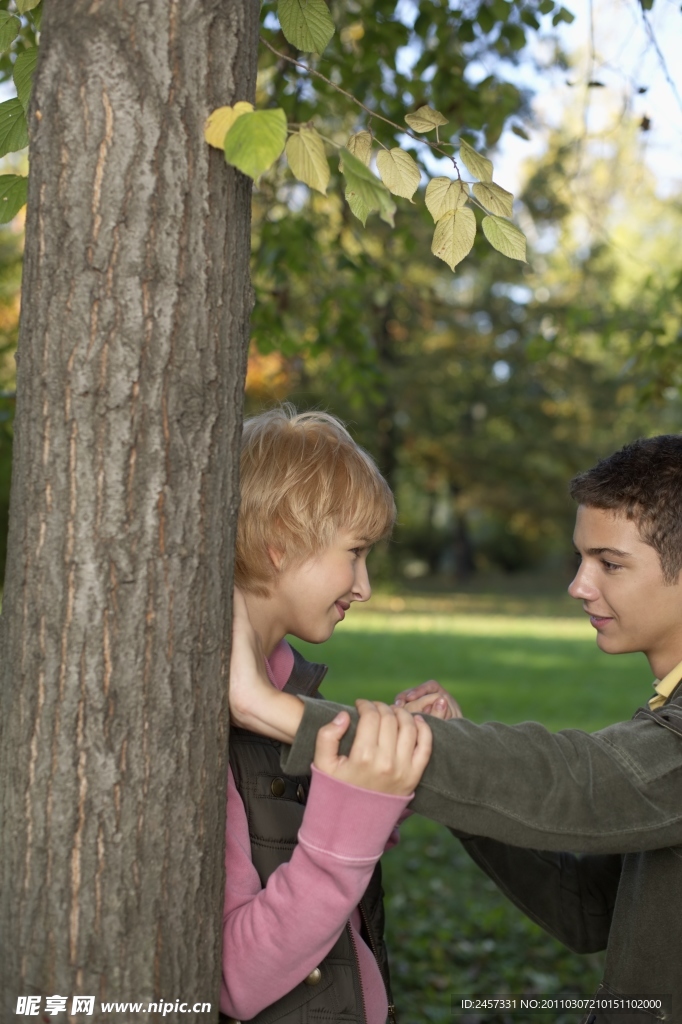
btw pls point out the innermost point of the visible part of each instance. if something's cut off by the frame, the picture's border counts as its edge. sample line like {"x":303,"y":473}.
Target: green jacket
{"x":519,"y":795}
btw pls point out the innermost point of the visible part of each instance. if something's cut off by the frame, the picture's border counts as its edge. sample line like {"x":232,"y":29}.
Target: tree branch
{"x":354,"y":99}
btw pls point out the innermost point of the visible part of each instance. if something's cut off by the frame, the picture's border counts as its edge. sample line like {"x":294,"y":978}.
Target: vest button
{"x":277,"y":787}
{"x":300,"y":793}
{"x":314,"y":978}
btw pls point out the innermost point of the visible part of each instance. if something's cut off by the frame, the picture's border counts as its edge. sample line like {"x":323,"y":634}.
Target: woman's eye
{"x":611,"y":566}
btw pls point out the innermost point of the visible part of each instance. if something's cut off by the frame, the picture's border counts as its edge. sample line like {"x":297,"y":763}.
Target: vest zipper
{"x":357,"y":964}
{"x":392,"y":1019}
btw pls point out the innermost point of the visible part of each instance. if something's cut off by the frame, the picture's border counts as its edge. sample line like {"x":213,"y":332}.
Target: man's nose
{"x":583,"y":588}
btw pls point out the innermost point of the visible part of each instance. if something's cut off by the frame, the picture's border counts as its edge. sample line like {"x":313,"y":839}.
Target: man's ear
{"x":276,"y":557}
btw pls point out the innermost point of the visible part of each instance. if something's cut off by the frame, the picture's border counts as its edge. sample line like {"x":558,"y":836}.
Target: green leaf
{"x":13,"y":188}
{"x":399,"y":172}
{"x":24,"y":67}
{"x":494,"y":198}
{"x":358,"y":206}
{"x":444,"y":196}
{"x":361,"y":183}
{"x":454,"y":236}
{"x":425,"y":119}
{"x":256,"y":140}
{"x":505,"y":237}
{"x":37,"y":15}
{"x":479,"y":166}
{"x":13,"y":127}
{"x":9,"y":29}
{"x":308,"y":160}
{"x":360,"y":145}
{"x":485,"y":19}
{"x":564,"y":15}
{"x":26,"y":5}
{"x":306,"y":24}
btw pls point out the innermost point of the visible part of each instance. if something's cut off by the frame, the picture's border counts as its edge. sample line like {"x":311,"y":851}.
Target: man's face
{"x":621,"y":585}
{"x":311,"y":598}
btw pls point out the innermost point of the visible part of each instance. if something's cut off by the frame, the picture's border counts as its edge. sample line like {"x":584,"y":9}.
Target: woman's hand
{"x":390,"y":751}
{"x":429,"y":698}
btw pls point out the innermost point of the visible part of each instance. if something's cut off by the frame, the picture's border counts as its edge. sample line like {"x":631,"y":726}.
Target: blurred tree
{"x":482,"y":394}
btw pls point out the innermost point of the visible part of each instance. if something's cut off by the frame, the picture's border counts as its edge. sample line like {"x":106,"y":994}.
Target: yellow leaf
{"x":494,"y":198}
{"x":425,"y":119}
{"x":444,"y":195}
{"x":479,"y":166}
{"x":399,"y":172}
{"x":454,"y":236}
{"x":505,"y":237}
{"x":360,"y":145}
{"x":221,"y":120}
{"x":308,"y":160}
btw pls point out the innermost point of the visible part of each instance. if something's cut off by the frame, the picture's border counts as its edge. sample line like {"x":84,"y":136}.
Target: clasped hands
{"x":392,"y":744}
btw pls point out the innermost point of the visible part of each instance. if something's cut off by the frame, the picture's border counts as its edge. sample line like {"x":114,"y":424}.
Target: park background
{"x":480,"y":395}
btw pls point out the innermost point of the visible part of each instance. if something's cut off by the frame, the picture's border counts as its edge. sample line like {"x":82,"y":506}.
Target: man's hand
{"x":255,"y":703}
{"x":429,"y":698}
{"x":390,"y":751}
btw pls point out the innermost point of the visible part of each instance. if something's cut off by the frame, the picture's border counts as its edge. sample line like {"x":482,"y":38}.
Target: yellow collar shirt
{"x":664,"y":687}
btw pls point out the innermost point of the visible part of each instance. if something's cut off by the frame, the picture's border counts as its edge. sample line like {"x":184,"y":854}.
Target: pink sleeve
{"x":274,"y":937}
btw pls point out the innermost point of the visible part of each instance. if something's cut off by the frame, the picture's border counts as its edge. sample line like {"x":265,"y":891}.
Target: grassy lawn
{"x":449,"y":930}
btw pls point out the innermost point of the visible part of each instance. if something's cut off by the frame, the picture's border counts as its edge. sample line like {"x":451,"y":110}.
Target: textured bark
{"x":114,"y":638}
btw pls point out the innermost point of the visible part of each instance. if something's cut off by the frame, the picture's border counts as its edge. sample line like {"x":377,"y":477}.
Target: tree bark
{"x":114,"y":638}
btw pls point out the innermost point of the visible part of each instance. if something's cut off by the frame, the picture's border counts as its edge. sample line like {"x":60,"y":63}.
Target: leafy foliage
{"x":307,"y":24}
{"x":505,"y":237}
{"x":307,"y":159}
{"x":18,"y":58}
{"x":13,"y":188}
{"x":401,"y":111}
{"x":255,"y":140}
{"x":13,"y":127}
{"x":23,"y":75}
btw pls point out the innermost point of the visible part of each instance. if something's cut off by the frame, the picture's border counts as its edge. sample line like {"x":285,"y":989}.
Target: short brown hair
{"x":302,"y":478}
{"x":642,"y":481}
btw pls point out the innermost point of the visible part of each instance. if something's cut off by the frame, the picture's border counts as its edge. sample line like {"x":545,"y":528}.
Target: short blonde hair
{"x":303,"y":477}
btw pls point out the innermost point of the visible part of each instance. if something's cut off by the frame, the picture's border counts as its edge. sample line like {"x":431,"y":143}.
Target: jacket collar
{"x":305,"y":677}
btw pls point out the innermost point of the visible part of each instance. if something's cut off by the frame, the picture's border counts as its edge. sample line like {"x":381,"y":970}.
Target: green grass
{"x":449,"y":929}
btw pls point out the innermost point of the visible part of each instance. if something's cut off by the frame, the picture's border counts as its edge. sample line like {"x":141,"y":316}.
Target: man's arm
{"x":571,"y":897}
{"x":613,"y":791}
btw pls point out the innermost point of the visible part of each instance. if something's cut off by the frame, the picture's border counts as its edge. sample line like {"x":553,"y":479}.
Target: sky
{"x":640,"y":70}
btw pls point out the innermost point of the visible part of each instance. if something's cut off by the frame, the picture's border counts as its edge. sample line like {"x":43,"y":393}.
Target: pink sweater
{"x":274,"y":937}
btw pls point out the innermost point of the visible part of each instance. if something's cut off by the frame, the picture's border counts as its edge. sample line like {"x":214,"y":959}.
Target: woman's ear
{"x":276,"y":557}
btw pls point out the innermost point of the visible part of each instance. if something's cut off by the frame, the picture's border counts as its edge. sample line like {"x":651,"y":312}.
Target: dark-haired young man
{"x":518,"y":796}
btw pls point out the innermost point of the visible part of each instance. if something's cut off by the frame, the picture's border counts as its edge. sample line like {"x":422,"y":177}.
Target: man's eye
{"x":611,"y":566}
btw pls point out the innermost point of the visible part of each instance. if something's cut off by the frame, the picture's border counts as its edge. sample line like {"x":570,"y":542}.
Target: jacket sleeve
{"x":572,"y":897}
{"x":613,"y":791}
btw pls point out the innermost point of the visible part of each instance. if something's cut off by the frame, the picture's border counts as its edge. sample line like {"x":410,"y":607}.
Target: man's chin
{"x":614,"y":645}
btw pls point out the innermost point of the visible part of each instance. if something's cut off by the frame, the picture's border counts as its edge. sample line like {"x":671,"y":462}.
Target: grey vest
{"x":274,"y":805}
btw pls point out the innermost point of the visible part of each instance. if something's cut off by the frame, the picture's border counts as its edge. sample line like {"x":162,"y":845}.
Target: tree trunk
{"x":114,"y":638}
